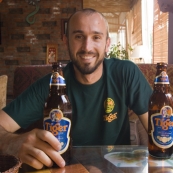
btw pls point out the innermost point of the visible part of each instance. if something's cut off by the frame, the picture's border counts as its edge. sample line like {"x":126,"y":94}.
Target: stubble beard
{"x":85,"y":69}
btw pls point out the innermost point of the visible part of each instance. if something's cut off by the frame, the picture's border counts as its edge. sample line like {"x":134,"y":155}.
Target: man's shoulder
{"x":42,"y":82}
{"x":67,"y":70}
{"x":118,"y":64}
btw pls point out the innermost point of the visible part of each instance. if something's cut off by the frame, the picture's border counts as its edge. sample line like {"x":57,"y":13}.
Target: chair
{"x":138,"y":135}
{"x":3,"y":90}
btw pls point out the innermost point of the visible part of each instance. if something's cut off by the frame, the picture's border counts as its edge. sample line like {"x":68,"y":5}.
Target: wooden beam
{"x":110,"y":9}
{"x":108,"y":5}
{"x":111,"y":15}
{"x":116,"y":24}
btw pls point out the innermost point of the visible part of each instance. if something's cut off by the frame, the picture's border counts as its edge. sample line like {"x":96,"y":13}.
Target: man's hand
{"x":35,"y":148}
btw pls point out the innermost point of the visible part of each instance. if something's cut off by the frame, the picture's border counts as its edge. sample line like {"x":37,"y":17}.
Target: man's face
{"x":87,"y":41}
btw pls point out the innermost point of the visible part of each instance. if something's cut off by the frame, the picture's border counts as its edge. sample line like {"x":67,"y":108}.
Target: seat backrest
{"x":3,"y":90}
{"x":24,"y":76}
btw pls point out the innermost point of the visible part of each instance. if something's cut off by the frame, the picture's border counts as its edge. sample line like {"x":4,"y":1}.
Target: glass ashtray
{"x":9,"y":164}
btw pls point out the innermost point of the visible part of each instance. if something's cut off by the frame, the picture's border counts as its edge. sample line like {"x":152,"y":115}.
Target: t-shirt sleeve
{"x":138,"y":90}
{"x":28,"y":107}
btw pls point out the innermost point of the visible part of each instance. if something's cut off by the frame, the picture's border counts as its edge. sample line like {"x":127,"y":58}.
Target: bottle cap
{"x":162,"y":65}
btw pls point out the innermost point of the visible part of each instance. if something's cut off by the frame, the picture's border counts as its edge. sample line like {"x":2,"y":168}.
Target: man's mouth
{"x":87,"y":56}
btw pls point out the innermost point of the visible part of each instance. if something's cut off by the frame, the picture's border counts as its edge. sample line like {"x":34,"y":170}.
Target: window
{"x":160,"y":35}
{"x":147,"y":28}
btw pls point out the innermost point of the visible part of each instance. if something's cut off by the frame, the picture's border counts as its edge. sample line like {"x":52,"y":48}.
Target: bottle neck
{"x":161,"y":82}
{"x":162,"y":88}
{"x":161,"y":67}
{"x":159,"y":71}
{"x":57,"y":90}
{"x":161,"y":77}
{"x":57,"y":81}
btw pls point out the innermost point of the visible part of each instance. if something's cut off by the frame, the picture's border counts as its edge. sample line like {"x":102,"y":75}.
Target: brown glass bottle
{"x":160,"y":122}
{"x":58,"y":112}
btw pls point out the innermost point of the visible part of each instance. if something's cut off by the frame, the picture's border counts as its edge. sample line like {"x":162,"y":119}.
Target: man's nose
{"x":87,"y":44}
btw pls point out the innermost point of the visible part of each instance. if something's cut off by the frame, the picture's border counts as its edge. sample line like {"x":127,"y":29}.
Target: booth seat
{"x":26,"y":75}
{"x":3,"y":90}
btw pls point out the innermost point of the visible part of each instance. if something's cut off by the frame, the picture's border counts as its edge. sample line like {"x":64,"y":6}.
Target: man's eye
{"x":96,"y":37}
{"x":78,"y":36}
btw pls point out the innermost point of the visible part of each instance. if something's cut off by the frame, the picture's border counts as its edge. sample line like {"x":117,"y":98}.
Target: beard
{"x":86,"y":68}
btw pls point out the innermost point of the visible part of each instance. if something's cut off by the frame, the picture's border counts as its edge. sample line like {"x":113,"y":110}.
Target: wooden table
{"x":109,"y":159}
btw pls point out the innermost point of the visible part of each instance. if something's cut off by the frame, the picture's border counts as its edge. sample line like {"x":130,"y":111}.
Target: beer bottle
{"x":160,"y":122}
{"x":58,"y":112}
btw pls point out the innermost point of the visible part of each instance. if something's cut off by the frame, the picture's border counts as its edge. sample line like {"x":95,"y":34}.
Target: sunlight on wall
{"x":147,"y":27}
{"x":113,"y":37}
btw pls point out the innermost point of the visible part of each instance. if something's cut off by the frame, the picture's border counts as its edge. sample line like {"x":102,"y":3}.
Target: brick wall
{"x":22,"y":43}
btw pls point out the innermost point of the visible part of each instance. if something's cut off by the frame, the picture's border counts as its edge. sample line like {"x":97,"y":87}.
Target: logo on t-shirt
{"x":109,"y":105}
{"x":109,"y":118}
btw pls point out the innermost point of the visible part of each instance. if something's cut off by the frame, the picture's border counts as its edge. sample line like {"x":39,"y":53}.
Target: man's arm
{"x":7,"y":122}
{"x":144,"y":120}
{"x":35,"y":148}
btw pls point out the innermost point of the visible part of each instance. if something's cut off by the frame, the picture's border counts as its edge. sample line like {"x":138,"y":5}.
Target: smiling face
{"x":87,"y":41}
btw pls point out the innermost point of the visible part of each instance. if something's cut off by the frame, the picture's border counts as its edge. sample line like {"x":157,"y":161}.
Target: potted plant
{"x":117,"y":51}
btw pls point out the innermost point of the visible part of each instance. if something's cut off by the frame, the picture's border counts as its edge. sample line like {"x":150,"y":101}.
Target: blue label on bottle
{"x":162,"y":78}
{"x":60,"y":127}
{"x":162,"y":128}
{"x":57,"y":79}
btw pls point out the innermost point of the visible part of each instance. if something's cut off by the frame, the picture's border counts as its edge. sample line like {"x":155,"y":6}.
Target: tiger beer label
{"x":162,"y":78}
{"x":59,"y":126}
{"x":57,"y":79}
{"x":162,"y":128}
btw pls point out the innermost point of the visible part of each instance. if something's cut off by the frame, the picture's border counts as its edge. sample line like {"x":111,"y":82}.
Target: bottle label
{"x":59,"y":126}
{"x":162,"y":78}
{"x":57,"y":79}
{"x":162,"y":128}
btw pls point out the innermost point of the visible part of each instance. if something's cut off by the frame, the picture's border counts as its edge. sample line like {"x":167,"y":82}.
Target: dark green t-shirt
{"x":99,"y":110}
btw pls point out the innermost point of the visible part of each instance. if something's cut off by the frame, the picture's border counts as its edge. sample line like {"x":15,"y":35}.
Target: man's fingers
{"x":51,"y":146}
{"x":28,"y":159}
{"x":50,"y":138}
{"x":34,"y":157}
{"x":40,"y":148}
{"x":51,"y":152}
{"x":56,"y":157}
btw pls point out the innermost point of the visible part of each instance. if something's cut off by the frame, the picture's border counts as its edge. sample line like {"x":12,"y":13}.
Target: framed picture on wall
{"x":63,"y":27}
{"x":52,"y":53}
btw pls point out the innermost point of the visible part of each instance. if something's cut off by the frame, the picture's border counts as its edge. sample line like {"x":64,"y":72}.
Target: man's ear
{"x":108,"y":42}
{"x":65,"y":40}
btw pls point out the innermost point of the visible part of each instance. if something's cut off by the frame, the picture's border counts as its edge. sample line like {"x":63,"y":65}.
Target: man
{"x":100,"y":90}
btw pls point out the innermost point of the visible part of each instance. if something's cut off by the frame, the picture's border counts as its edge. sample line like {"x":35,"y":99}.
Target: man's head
{"x":89,"y":11}
{"x":88,"y":40}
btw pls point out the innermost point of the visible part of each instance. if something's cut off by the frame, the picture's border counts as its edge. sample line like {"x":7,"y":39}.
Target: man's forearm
{"x":144,"y":120}
{"x":7,"y":142}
